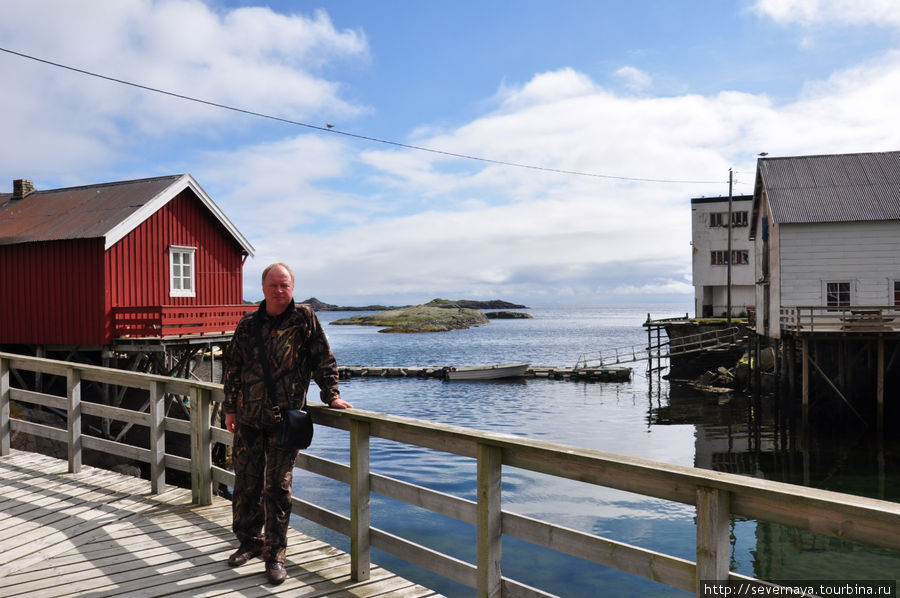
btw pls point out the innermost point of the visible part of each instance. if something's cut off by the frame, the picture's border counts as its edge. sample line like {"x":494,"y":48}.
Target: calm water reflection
{"x":671,"y":424}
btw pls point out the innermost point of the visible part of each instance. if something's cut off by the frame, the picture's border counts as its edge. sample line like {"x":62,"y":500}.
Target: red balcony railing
{"x":158,"y":321}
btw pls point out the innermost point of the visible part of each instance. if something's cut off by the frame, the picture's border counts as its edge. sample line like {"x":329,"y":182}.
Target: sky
{"x":586,"y":127}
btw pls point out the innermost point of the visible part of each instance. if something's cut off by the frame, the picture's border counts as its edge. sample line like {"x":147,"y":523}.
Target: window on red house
{"x":181,"y":272}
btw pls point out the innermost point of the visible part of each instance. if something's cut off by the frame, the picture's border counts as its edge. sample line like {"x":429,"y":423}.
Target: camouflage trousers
{"x":261,"y":504}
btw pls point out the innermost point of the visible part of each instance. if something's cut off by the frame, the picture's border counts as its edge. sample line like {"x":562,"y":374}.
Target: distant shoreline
{"x":497,"y":304}
{"x":438,"y":315}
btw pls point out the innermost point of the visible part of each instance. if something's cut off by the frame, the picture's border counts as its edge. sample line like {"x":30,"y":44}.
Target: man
{"x":292,"y":341}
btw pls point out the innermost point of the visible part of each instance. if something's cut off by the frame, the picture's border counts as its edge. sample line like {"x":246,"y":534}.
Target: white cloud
{"x":662,"y":287}
{"x":271,"y":187}
{"x":882,"y":13}
{"x":251,"y":58}
{"x":361,"y":221}
{"x":490,"y":230}
{"x":547,"y":87}
{"x":633,"y":78}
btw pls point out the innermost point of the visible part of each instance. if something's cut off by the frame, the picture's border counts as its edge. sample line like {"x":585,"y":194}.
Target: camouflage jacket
{"x":297,"y":351}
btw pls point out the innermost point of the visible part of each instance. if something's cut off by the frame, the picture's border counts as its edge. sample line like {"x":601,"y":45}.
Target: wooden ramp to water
{"x":99,"y":533}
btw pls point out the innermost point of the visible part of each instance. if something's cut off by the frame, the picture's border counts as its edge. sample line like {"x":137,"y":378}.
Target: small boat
{"x":487,"y":372}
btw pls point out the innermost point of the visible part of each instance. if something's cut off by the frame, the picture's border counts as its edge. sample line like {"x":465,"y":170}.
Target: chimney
{"x":22,"y":188}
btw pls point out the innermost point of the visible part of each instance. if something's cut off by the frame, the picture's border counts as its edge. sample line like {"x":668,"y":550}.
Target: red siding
{"x":137,"y":267}
{"x":63,"y":292}
{"x":52,"y":293}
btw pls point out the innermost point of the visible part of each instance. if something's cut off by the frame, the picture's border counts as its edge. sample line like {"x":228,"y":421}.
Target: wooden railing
{"x":703,"y":341}
{"x":851,"y":318}
{"x":717,"y":496}
{"x":158,"y":321}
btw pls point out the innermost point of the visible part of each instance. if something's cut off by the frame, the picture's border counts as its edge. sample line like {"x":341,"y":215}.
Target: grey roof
{"x":108,"y":211}
{"x":830,"y":188}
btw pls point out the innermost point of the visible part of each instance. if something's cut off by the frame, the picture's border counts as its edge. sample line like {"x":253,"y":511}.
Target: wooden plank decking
{"x":99,"y":533}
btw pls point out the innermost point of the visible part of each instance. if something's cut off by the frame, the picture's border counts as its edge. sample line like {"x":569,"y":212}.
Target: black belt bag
{"x":295,"y":428}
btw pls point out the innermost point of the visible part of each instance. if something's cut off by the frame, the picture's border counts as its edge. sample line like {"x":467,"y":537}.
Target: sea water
{"x":647,"y":417}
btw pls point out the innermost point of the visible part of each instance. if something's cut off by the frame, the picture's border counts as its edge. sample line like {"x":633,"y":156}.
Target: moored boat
{"x":487,"y":372}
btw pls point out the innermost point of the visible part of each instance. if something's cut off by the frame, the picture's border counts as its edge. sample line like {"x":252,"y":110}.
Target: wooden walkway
{"x":99,"y":533}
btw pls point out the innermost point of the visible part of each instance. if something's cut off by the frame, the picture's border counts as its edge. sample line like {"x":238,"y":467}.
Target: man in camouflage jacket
{"x":297,"y":351}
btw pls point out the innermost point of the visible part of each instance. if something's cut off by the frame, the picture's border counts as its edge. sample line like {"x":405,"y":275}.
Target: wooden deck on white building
{"x":100,"y":533}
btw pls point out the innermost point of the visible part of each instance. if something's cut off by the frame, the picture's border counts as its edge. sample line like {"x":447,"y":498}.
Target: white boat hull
{"x":488,"y":372}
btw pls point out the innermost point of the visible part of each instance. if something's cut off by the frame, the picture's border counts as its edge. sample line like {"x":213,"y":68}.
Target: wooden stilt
{"x":879,"y":387}
{"x":804,"y":345}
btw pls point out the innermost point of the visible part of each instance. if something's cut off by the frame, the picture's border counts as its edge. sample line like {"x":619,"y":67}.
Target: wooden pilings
{"x":854,"y":370}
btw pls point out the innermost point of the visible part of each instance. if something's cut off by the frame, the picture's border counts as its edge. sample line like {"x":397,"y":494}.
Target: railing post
{"x":157,"y":438}
{"x":360,"y":491}
{"x":490,"y":533}
{"x":713,"y":517}
{"x":5,"y":428}
{"x":201,"y":452}
{"x":73,"y":426}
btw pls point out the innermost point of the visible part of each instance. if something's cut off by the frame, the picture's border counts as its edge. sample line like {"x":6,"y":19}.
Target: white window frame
{"x":895,"y":286}
{"x":177,"y":278}
{"x":852,"y":291}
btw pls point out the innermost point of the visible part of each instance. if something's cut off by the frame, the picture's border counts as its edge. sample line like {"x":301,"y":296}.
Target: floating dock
{"x":590,"y":374}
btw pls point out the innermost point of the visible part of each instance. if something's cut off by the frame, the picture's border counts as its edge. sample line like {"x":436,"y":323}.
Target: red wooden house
{"x":97,"y":266}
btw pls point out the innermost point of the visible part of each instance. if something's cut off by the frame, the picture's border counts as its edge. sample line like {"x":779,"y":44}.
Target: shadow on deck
{"x":99,"y":533}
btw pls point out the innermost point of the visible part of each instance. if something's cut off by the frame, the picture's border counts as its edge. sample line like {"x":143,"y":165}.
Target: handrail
{"x":702,"y":341}
{"x":722,"y":337}
{"x":844,"y":319}
{"x":613,"y":356}
{"x":716,"y":495}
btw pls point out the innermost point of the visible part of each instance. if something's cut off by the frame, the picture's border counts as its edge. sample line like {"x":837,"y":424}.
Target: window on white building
{"x":897,"y":292}
{"x":837,"y":294}
{"x":718,"y":219}
{"x":739,"y":257}
{"x":181,"y":272}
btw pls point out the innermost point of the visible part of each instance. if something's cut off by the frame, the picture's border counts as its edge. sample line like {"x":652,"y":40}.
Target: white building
{"x":826,"y":232}
{"x":709,"y":238}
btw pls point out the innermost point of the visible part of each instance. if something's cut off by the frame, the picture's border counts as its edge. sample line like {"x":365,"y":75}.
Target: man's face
{"x":278,"y":289}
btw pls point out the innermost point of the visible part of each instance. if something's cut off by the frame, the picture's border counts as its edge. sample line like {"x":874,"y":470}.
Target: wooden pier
{"x":76,"y":529}
{"x":100,"y":533}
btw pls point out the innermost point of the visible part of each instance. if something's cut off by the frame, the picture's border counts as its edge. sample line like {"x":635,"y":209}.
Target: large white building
{"x":709,"y":238}
{"x":827,"y":233}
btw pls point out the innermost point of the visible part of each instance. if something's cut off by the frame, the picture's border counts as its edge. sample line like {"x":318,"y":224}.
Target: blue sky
{"x":663,"y":90}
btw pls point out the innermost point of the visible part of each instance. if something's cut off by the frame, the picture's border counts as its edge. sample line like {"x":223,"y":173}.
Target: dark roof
{"x":108,"y":210}
{"x":830,"y":188}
